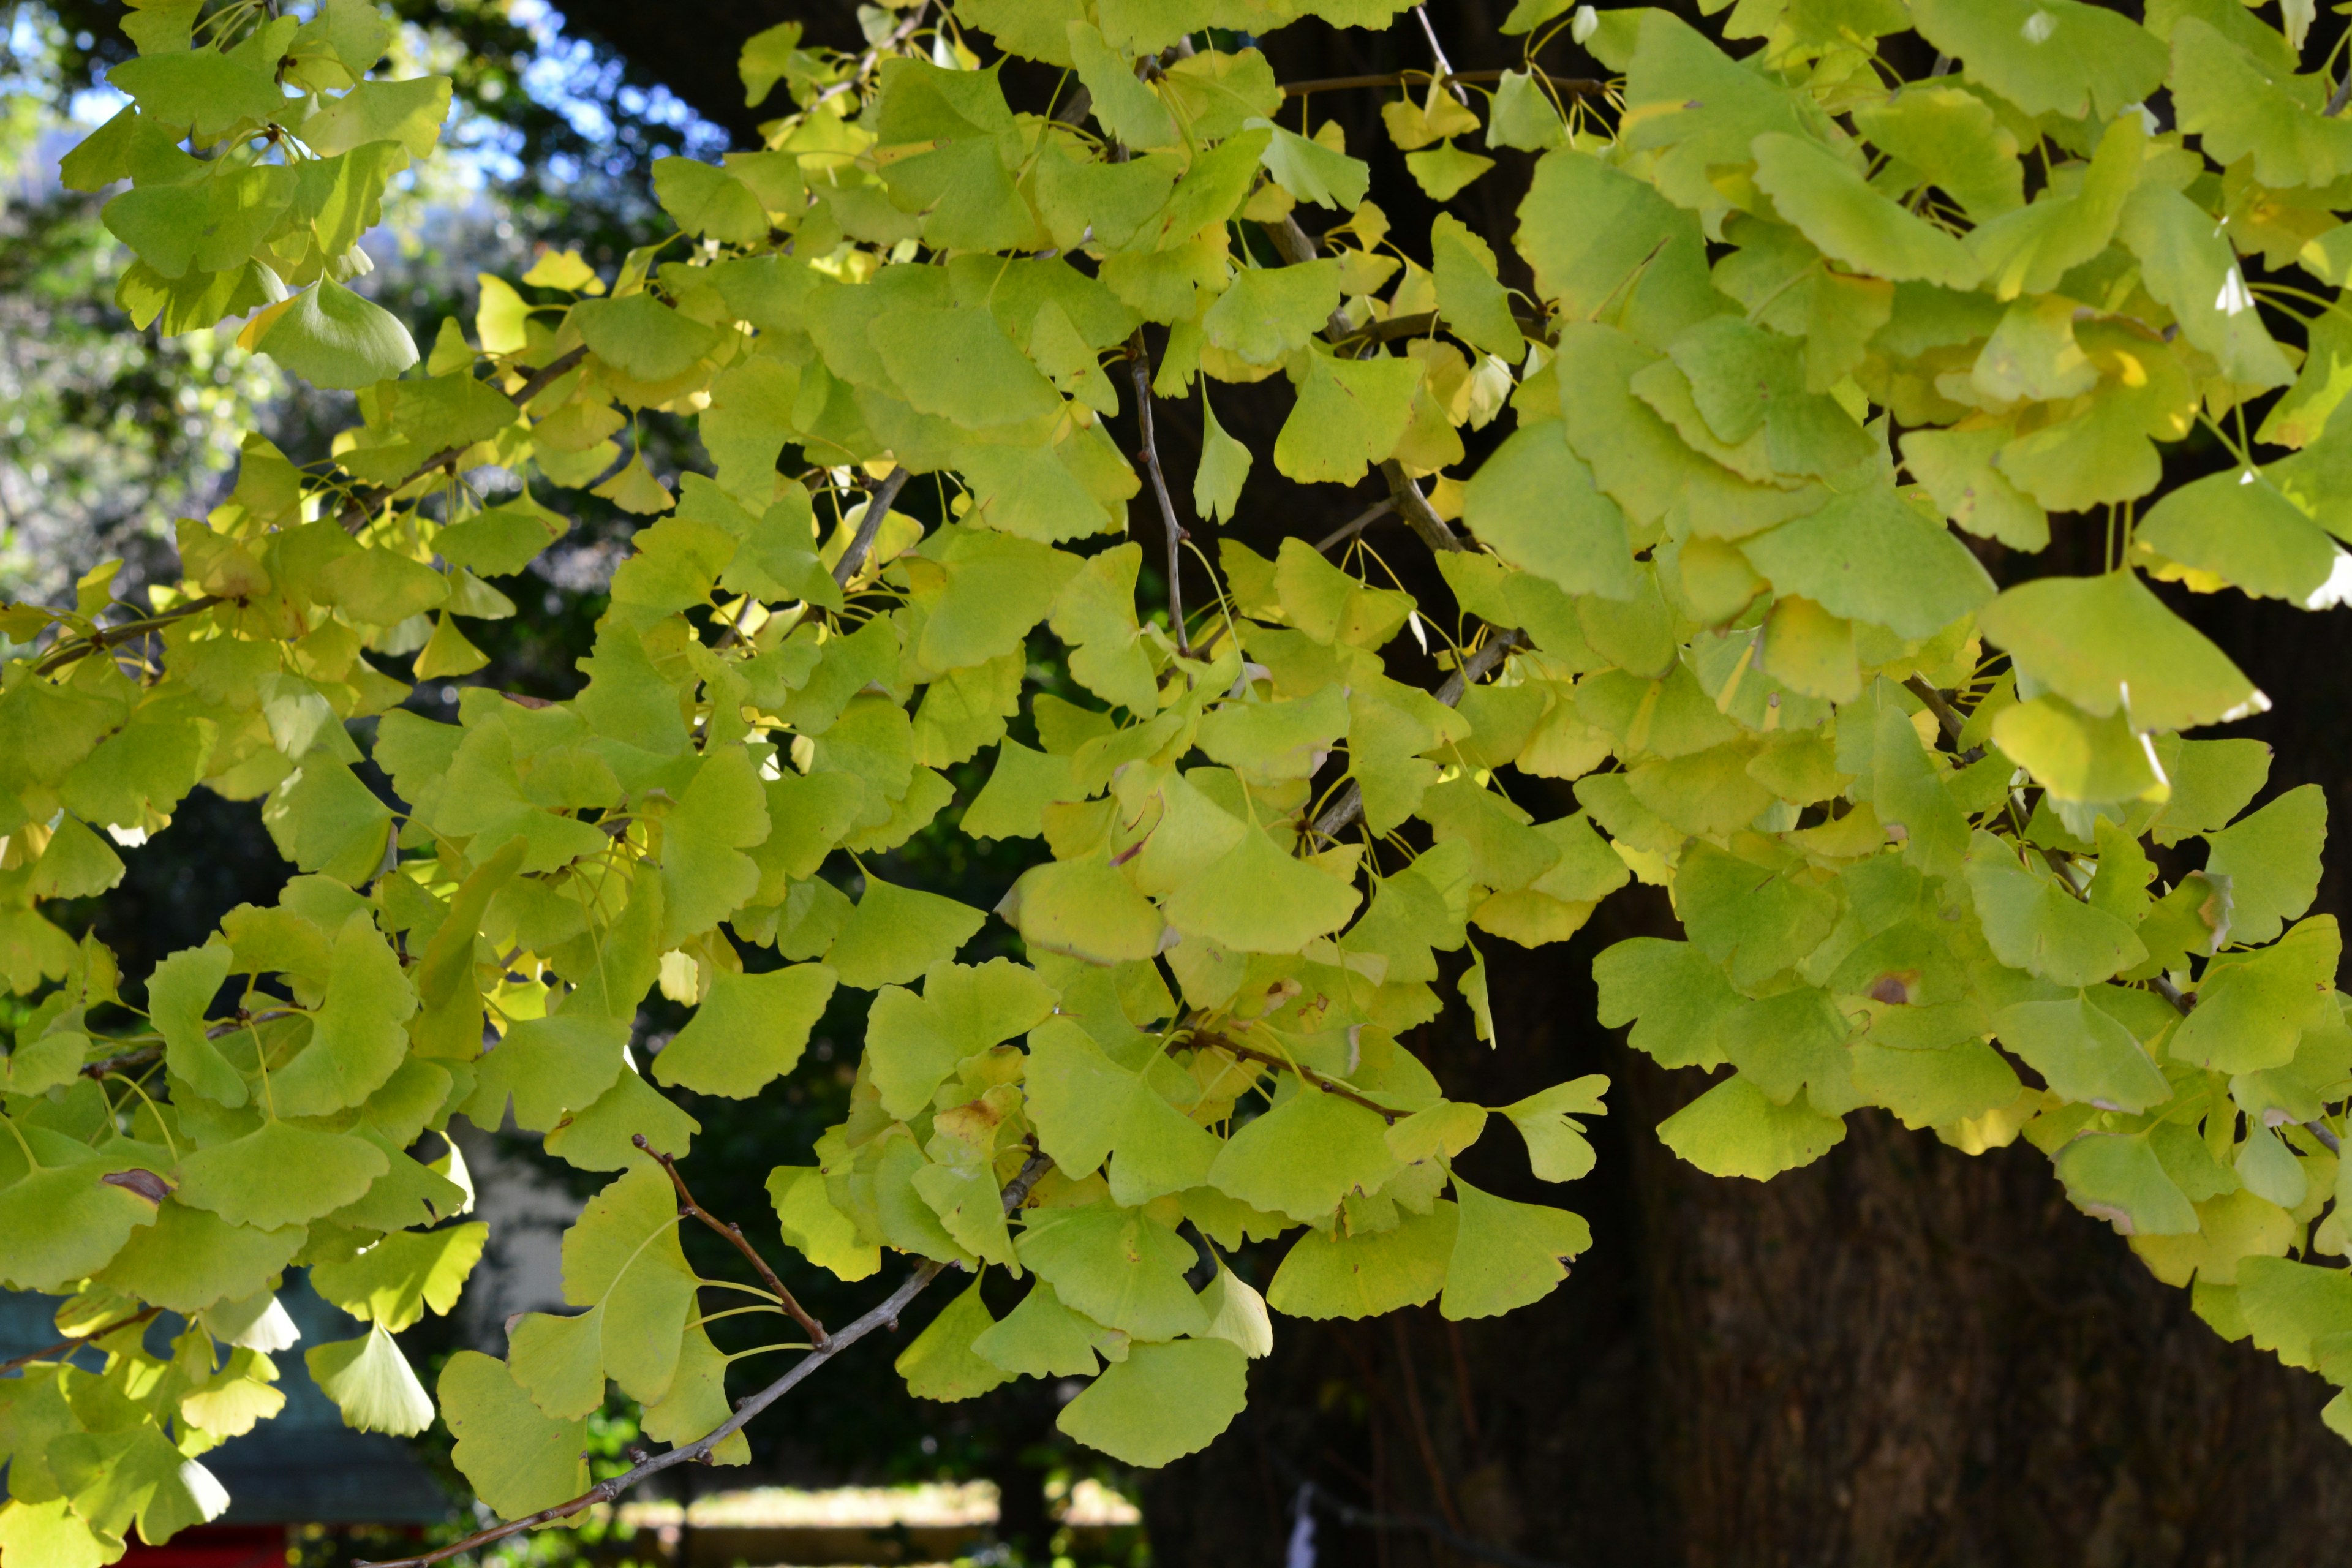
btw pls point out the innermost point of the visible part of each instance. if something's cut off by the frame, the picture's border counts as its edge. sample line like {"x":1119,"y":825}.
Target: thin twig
{"x":1138,"y":365}
{"x":2340,"y":97}
{"x":1421,"y":1437}
{"x":878,"y":507}
{"x":1356,"y":524}
{"x":139,"y":1058}
{"x":66,"y":652}
{"x":734,"y":1233}
{"x":355,"y":509}
{"x":1437,"y":51}
{"x":1343,"y":811}
{"x":1579,"y":87}
{"x":1420,"y":324}
{"x":883,"y":1313}
{"x":866,"y":61}
{"x":75,"y":1343}
{"x":1328,"y":1084}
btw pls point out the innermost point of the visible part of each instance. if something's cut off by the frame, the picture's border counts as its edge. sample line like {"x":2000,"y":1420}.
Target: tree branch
{"x":1576,"y":87}
{"x":1138,"y":365}
{"x":1356,"y":524}
{"x":1344,"y":811}
{"x":878,"y":507}
{"x":74,"y":1343}
{"x":734,"y":1233}
{"x":883,"y":1313}
{"x":1250,"y":1053}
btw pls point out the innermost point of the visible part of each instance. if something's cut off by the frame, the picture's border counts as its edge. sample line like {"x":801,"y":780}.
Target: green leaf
{"x":996,"y":588}
{"x":822,"y":1233}
{"x":372,"y":1382}
{"x":2093,"y":639}
{"x":190,"y":1259}
{"x":1303,"y":1156}
{"x":357,"y":1040}
{"x":2048,"y":57}
{"x":696,"y":1402}
{"x":1119,"y":1267}
{"x":2240,"y":528}
{"x":2272,"y":859}
{"x":2195,"y":273}
{"x":551,"y":1065}
{"x":2082,"y":1053}
{"x":332,"y":337}
{"x":1444,"y":171}
{"x":1876,"y":558}
{"x":279,"y":1174}
{"x":1556,"y":1143}
{"x":1224,"y":467}
{"x":2240,"y":109}
{"x":1328,"y":1274}
{"x":409,"y":113}
{"x":2033,"y":924}
{"x":393,"y":1282}
{"x":1042,"y":1338}
{"x":204,"y":91}
{"x":1506,"y":1255}
{"x":2253,"y":1007}
{"x":913,"y":1044}
{"x":1736,"y":1129}
{"x":1534,"y":504}
{"x":2118,"y":1178}
{"x":179,"y":993}
{"x":942,"y":1363}
{"x":1255,"y":898}
{"x":1087,"y":1108}
{"x":1271,"y":313}
{"x":1835,"y":207}
{"x":1162,"y":1401}
{"x":1349,"y":413}
{"x":1085,"y":910}
{"x":896,"y":933}
{"x":60,"y":1223}
{"x":1311,"y":172}
{"x":1127,"y":107}
{"x":1674,"y":998}
{"x":749,"y":1031}
{"x":1956,"y":141}
{"x":642,"y":337}
{"x":1745,"y":380}
{"x":709,"y":201}
{"x":518,"y":1460}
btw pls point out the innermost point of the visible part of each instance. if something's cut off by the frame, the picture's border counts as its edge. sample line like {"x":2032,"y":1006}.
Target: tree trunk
{"x":1900,"y":1355}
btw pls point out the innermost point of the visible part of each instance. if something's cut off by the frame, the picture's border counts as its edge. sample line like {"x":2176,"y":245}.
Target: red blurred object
{"x":214,"y":1546}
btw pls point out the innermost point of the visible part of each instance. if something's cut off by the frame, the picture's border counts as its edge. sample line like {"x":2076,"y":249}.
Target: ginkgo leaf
{"x":1088,"y":1109}
{"x":1736,"y":1129}
{"x":1122,"y":1267}
{"x":749,"y":1031}
{"x":279,"y":1174}
{"x":1506,"y":1254}
{"x":1874,"y":557}
{"x":1836,"y":208}
{"x":1328,"y":1275}
{"x":1162,"y":1401}
{"x":942,"y":1363}
{"x":1303,"y":1156}
{"x":333,"y":338}
{"x":896,"y":933}
{"x":2100,"y":642}
{"x":1557,"y":1148}
{"x":1255,"y":898}
{"x":372,"y":1382}
{"x":2272,"y":859}
{"x":519,"y":1460}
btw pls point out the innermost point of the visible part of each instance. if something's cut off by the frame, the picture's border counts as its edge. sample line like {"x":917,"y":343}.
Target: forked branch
{"x":883,"y":1313}
{"x":734,"y":1233}
{"x":1345,"y":810}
